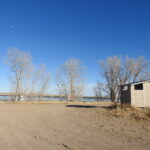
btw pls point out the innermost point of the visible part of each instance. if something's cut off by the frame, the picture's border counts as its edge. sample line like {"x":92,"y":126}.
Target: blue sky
{"x":56,"y":30}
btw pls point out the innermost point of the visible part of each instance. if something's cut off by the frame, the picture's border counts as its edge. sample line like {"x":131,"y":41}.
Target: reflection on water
{"x":9,"y":98}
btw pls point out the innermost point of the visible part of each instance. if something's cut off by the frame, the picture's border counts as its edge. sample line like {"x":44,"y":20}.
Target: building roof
{"x":133,"y":83}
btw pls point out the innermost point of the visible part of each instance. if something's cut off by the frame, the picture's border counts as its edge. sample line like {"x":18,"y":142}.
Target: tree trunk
{"x":113,"y":97}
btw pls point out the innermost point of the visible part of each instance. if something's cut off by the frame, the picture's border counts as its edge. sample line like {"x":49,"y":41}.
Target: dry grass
{"x":147,"y":111}
{"x":127,"y":111}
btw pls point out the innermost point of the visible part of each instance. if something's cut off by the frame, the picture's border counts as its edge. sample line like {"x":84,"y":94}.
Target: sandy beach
{"x":81,"y":126}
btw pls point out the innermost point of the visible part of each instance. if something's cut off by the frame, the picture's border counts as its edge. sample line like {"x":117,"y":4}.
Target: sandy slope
{"x":55,"y":127}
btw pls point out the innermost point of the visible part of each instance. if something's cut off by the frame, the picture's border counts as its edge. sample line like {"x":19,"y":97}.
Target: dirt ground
{"x":26,"y":126}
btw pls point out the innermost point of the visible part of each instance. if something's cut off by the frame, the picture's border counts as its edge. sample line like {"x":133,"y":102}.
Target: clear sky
{"x":56,"y":30}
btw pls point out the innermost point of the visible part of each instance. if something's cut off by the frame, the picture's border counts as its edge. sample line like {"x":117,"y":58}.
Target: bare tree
{"x":26,"y":80}
{"x":98,"y":89}
{"x":111,"y":71}
{"x":116,"y":72}
{"x":39,"y":82}
{"x":19,"y":63}
{"x":61,"y":85}
{"x":43,"y":80}
{"x":70,"y":79}
{"x":133,"y":70}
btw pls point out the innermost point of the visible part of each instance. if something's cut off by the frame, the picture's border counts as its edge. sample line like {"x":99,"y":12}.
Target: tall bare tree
{"x":111,"y":71}
{"x":98,"y":90}
{"x":19,"y":63}
{"x":61,"y":85}
{"x":43,"y":80}
{"x":117,"y":72}
{"x":70,"y":79}
{"x":27,"y":79}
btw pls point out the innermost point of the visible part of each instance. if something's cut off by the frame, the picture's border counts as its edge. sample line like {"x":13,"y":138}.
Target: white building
{"x":137,"y":94}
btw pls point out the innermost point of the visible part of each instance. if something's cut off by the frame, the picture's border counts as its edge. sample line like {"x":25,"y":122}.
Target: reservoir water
{"x":11,"y":98}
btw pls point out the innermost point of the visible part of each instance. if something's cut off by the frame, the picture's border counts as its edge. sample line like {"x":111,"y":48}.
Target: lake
{"x":9,"y":98}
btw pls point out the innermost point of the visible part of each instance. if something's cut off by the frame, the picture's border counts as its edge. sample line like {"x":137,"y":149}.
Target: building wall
{"x":141,"y":98}
{"x":125,"y":95}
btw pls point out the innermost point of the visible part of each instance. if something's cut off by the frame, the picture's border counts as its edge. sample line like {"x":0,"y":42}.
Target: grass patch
{"x":127,"y":111}
{"x":147,"y":111}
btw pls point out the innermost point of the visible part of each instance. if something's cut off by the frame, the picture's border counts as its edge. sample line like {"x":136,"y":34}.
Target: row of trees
{"x":29,"y":79}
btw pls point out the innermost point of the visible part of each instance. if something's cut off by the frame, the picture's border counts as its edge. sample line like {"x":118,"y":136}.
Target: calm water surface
{"x":9,"y":98}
